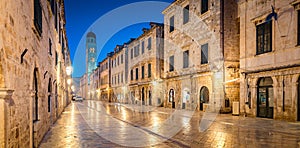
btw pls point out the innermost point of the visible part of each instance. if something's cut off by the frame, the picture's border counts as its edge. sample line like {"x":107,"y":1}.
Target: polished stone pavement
{"x":97,"y":124}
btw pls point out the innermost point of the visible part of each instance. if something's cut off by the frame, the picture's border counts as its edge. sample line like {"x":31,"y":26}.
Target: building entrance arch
{"x":265,"y":97}
{"x":204,"y":96}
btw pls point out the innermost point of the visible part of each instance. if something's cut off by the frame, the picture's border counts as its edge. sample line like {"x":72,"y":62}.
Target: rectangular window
{"x":186,"y":59}
{"x":118,"y":78}
{"x":143,"y":72}
{"x":204,"y":6}
{"x":122,"y":77}
{"x":38,"y":16}
{"x":149,"y":71}
{"x":171,"y":63}
{"x":204,"y":54}
{"x":52,"y":3}
{"x":149,"y":43}
{"x":131,"y":74}
{"x":118,"y":60}
{"x":131,"y":53}
{"x":298,"y":42}
{"x":121,"y":58}
{"x":172,"y":24}
{"x":35,"y":113}
{"x":264,"y":38}
{"x":186,"y":14}
{"x":56,"y":17}
{"x":56,"y":58}
{"x":143,"y":47}
{"x":136,"y":73}
{"x":50,"y":47}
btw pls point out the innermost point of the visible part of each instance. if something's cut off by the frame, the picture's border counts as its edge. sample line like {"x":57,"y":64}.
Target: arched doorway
{"x":143,"y":96}
{"x":298,"y":119}
{"x":204,"y":96}
{"x":172,"y":97}
{"x":265,"y":98}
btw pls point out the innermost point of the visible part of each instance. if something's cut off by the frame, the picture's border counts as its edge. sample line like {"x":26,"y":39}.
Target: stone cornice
{"x":5,"y":93}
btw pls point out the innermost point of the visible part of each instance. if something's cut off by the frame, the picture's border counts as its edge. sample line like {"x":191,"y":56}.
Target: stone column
{"x":5,"y":96}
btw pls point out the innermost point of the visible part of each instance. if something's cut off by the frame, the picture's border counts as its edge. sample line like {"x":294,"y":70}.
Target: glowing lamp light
{"x":69,"y":70}
{"x":69,"y":81}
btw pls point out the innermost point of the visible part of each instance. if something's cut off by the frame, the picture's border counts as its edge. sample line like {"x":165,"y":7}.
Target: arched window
{"x":35,"y":100}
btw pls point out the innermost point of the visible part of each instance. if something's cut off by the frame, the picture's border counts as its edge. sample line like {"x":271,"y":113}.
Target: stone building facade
{"x":269,"y":59}
{"x":83,"y":86}
{"x":34,"y":56}
{"x":118,"y":75}
{"x":143,"y":65}
{"x":105,"y":78}
{"x":201,"y":54}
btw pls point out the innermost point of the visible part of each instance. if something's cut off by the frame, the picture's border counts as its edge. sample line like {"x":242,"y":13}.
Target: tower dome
{"x":91,"y":34}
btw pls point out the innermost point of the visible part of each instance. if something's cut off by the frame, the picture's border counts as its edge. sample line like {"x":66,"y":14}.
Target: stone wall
{"x":17,"y":35}
{"x":219,"y":30}
{"x":281,"y":64}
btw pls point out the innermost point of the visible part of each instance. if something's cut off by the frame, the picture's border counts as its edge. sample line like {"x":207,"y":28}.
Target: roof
{"x":91,"y":34}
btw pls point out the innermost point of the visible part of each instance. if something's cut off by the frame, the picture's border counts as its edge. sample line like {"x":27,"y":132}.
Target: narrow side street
{"x":97,"y":124}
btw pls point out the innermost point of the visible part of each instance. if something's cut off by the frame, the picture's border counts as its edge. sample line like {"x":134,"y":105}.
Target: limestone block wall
{"x":281,"y":64}
{"x":18,"y":34}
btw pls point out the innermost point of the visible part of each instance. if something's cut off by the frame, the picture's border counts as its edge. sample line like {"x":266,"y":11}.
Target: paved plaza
{"x":97,"y":124}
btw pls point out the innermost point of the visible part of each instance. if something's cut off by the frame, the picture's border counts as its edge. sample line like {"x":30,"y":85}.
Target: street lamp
{"x":69,"y":70}
{"x":69,"y":81}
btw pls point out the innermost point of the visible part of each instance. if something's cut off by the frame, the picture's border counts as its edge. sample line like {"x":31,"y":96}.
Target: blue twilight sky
{"x":114,"y":22}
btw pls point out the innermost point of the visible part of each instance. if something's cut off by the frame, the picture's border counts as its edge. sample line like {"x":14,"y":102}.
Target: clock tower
{"x":91,"y":53}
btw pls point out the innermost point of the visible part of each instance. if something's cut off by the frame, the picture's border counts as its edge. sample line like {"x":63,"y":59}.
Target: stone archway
{"x":203,"y":97}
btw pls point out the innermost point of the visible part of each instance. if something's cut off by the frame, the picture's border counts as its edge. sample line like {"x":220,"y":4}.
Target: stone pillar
{"x":5,"y":96}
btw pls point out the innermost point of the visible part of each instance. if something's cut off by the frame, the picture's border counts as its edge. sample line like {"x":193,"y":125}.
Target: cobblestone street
{"x":97,"y":124}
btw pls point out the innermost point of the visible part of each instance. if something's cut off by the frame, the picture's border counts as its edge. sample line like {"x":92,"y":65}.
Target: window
{"x":50,"y":47}
{"x":56,"y":58}
{"x":172,"y":24}
{"x":121,"y":58}
{"x":143,"y":72}
{"x":122,"y":77}
{"x":131,"y":53}
{"x":186,"y":59}
{"x":204,"y":6}
{"x":136,"y":73}
{"x":149,"y":43}
{"x":52,"y":3}
{"x":298,"y":42}
{"x":136,"y":51}
{"x":56,"y":17}
{"x":143,"y":47}
{"x":36,"y":97}
{"x":264,"y":38}
{"x":38,"y":16}
{"x":49,"y":94}
{"x":118,"y":60}
{"x":204,"y":54}
{"x":118,"y":78}
{"x":186,"y":14}
{"x":131,"y":74}
{"x":149,"y":70}
{"x":171,"y":63}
